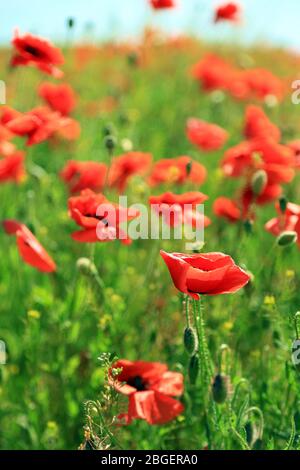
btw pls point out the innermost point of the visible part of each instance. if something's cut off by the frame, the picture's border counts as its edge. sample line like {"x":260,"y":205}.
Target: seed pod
{"x":283,"y":202}
{"x":190,"y":340}
{"x":287,"y":238}
{"x":259,"y":182}
{"x":220,"y":388}
{"x":194,"y":367}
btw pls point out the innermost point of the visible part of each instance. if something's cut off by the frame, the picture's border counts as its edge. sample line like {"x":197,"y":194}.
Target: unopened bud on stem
{"x":259,"y":182}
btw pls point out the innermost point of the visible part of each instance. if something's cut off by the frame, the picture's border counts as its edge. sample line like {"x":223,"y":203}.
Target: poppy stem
{"x":203,"y":342}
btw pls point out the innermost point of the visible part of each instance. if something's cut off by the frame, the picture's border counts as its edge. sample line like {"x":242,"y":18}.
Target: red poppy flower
{"x":127,"y":165}
{"x":150,"y":388}
{"x":100,"y":219}
{"x":37,"y":52}
{"x":160,"y":4}
{"x":287,"y":221}
{"x":60,"y":98}
{"x":12,"y":167}
{"x":258,"y":125}
{"x":180,"y":209}
{"x":262,"y":83}
{"x":237,"y":159}
{"x":84,"y":175}
{"x":213,"y":73}
{"x":206,"y":136}
{"x":294,"y":145}
{"x":226,"y":208}
{"x":40,"y":124}
{"x":228,"y":12}
{"x":31,"y":251}
{"x":177,"y":171}
{"x":205,"y":274}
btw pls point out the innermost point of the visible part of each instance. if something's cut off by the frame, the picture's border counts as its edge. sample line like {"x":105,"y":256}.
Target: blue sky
{"x":272,"y":21}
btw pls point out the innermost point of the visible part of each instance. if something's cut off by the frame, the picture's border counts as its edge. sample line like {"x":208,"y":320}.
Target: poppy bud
{"x":194,"y":367}
{"x":283,"y":202}
{"x":190,"y":340}
{"x":110,"y":142}
{"x":109,"y":129}
{"x":189,"y":168}
{"x":70,"y":23}
{"x":86,"y":267}
{"x":259,"y":182}
{"x":220,"y":388}
{"x":287,"y":238}
{"x":248,"y":226}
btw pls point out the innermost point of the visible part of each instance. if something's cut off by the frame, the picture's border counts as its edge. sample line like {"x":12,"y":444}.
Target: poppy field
{"x":114,"y":341}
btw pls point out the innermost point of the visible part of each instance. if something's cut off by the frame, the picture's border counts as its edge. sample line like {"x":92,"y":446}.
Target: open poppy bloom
{"x":228,"y":209}
{"x":177,"y":171}
{"x":228,"y":12}
{"x":59,"y":97}
{"x":178,"y":209}
{"x":150,"y":388}
{"x":127,"y":165}
{"x":204,"y":135}
{"x":289,"y":221}
{"x":84,"y":175}
{"x":214,"y":73}
{"x":100,"y":219}
{"x":160,"y":4}
{"x":40,"y":124}
{"x":294,"y":145}
{"x":258,"y":125}
{"x":205,"y":274}
{"x":30,"y":249}
{"x":12,"y":166}
{"x":37,"y":52}
{"x":262,"y":83}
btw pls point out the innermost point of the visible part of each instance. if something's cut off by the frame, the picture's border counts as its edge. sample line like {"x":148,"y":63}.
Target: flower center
{"x":137,"y":382}
{"x":33,"y":51}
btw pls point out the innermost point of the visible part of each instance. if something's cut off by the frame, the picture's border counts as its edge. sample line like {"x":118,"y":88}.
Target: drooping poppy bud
{"x":194,"y":367}
{"x":86,"y":267}
{"x":220,"y":388}
{"x":287,"y":238}
{"x":190,"y":340}
{"x":259,"y":182}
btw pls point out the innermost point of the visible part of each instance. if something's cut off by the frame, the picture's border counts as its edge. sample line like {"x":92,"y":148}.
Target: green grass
{"x":56,"y":326}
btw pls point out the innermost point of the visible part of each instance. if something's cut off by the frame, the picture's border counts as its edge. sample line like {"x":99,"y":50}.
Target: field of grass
{"x":56,"y":326}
